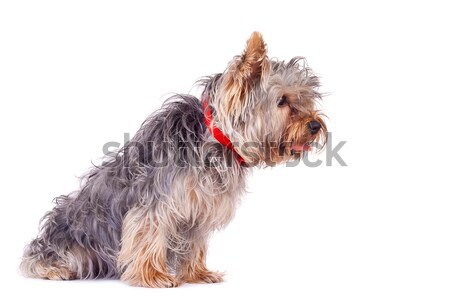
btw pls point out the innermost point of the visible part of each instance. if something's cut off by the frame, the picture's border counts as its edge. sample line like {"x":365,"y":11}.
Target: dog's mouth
{"x":301,"y":147}
{"x":296,"y":148}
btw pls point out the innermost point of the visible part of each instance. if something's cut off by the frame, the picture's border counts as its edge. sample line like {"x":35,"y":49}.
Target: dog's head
{"x":267,"y":108}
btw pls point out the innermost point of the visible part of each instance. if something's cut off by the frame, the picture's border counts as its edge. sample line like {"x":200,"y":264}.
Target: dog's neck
{"x":217,"y":133}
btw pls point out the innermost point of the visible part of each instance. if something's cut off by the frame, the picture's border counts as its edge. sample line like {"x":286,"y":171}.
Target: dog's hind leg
{"x":40,"y":261}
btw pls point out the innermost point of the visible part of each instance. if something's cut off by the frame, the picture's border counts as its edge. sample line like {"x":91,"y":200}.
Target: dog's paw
{"x":212,"y":277}
{"x":206,"y":277}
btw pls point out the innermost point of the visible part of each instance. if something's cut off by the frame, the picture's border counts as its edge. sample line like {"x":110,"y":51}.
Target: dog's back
{"x":80,"y":238}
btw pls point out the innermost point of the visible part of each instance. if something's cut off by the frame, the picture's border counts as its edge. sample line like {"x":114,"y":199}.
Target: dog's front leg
{"x":143,"y":255}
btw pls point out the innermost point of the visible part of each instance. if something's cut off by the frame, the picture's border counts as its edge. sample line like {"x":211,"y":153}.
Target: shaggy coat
{"x":145,"y":215}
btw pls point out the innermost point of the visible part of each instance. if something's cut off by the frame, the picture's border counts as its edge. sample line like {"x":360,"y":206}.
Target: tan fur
{"x":147,"y":236}
{"x":297,"y":132}
{"x":71,"y":264}
{"x":169,"y":212}
{"x":54,"y":272}
{"x":252,"y":66}
{"x":195,"y":271}
{"x":143,"y":253}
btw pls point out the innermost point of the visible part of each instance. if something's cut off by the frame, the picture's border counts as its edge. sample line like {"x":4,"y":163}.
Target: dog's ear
{"x":245,"y":72}
{"x":253,"y":62}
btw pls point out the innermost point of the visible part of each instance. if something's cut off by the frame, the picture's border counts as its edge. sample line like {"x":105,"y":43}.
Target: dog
{"x":145,"y":214}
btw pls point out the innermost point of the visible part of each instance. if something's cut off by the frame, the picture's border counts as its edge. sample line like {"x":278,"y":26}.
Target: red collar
{"x":217,"y":133}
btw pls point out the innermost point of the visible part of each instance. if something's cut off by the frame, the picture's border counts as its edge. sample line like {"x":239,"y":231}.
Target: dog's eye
{"x":282,"y":101}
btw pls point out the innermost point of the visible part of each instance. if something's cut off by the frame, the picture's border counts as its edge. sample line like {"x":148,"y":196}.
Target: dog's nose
{"x":314,"y":127}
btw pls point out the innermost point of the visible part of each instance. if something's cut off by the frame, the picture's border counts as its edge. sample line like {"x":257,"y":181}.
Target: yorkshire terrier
{"x":145,"y":214}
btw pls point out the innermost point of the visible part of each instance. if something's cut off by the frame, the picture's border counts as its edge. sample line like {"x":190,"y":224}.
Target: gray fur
{"x":171,"y":155}
{"x":92,"y":218}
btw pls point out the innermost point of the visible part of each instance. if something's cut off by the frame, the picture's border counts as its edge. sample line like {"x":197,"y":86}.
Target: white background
{"x":74,"y":75}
